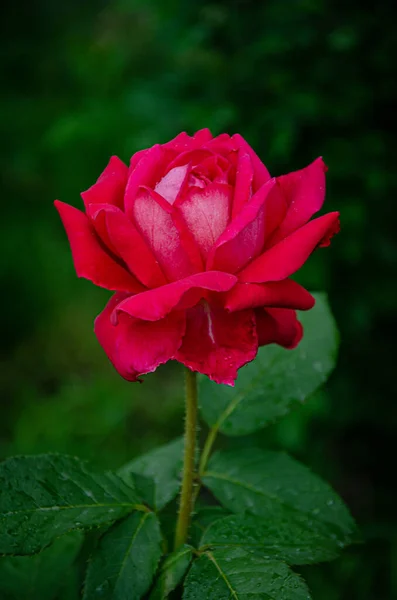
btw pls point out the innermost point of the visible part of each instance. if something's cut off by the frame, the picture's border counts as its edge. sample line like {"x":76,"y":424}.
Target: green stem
{"x":186,"y":498}
{"x":212,"y":434}
{"x":207,"y":449}
{"x":209,"y":442}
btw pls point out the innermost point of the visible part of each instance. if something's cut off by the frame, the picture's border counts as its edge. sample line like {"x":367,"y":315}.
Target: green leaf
{"x":273,"y":485}
{"x":167,"y":517}
{"x":172,"y":572}
{"x":269,"y":386}
{"x":39,"y":577}
{"x":44,"y":496}
{"x":145,"y":487}
{"x":281,"y":537}
{"x":123,"y":565}
{"x":164,"y":466}
{"x":71,"y":589}
{"x":203,"y":517}
{"x":238,"y":575}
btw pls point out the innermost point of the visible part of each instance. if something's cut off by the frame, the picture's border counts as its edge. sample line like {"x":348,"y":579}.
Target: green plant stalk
{"x":212,"y":435}
{"x":205,"y":455}
{"x":188,"y":476}
{"x":207,"y":449}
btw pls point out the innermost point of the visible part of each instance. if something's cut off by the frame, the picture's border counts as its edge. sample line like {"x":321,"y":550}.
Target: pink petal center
{"x":170,"y":185}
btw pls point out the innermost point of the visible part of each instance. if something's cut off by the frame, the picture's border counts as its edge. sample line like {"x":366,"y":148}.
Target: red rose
{"x":199,"y":242}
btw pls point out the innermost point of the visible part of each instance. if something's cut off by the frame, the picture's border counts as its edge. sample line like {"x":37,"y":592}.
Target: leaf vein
{"x":211,"y":557}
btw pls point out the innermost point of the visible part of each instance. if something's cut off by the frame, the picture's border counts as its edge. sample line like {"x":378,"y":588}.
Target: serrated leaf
{"x":203,"y":517}
{"x":269,"y":386}
{"x":172,"y":572}
{"x":282,"y":537}
{"x":238,"y":575}
{"x":164,"y":466}
{"x":273,"y":485}
{"x":123,"y":565}
{"x":39,"y":577}
{"x":145,"y":487}
{"x":44,"y":496}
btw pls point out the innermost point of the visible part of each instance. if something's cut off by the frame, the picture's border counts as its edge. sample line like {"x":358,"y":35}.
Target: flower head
{"x":199,"y":243}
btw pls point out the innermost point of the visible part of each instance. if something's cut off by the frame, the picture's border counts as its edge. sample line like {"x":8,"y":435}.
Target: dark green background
{"x":297,"y":78}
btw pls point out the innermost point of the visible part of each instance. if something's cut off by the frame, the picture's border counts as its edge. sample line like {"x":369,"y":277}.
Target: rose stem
{"x":186,"y":497}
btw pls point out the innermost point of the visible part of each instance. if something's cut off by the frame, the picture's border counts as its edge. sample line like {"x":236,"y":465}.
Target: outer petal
{"x":90,"y":259}
{"x":206,"y":212}
{"x":153,"y":217}
{"x":281,"y":294}
{"x":110,"y":186}
{"x":180,"y":143}
{"x":286,"y":257}
{"x":276,"y":209}
{"x":183,"y":142}
{"x":202,"y":136}
{"x":261,"y":174}
{"x":135,"y":158}
{"x":125,"y":240}
{"x":244,"y":238}
{"x":97,"y":215}
{"x":136,"y":347}
{"x":218,"y":343}
{"x":278,"y":326}
{"x":243,"y":183}
{"x":304,"y":193}
{"x":155,"y":304}
{"x":222,"y":144}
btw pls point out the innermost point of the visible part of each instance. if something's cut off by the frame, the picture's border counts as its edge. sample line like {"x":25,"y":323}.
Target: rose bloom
{"x":198,"y":241}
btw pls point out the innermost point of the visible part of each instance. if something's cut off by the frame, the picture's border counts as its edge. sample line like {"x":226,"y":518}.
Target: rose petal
{"x":90,"y":259}
{"x":281,"y":294}
{"x":243,"y":183}
{"x":171,"y":184}
{"x":333,"y":230}
{"x":213,"y":168}
{"x":137,"y":347}
{"x":206,"y":212}
{"x":180,"y":143}
{"x":184,"y":142}
{"x":278,"y":326}
{"x":97,"y":215}
{"x":193,"y":157}
{"x":218,"y":343}
{"x":188,"y":242}
{"x":276,"y":209}
{"x":304,"y":193}
{"x":202,"y":136}
{"x":110,"y":186}
{"x":127,"y":243}
{"x":222,"y":144}
{"x":155,"y":304}
{"x":153,"y":217}
{"x":286,"y":257}
{"x":261,"y":174}
{"x":244,"y":238}
{"x":148,"y":171}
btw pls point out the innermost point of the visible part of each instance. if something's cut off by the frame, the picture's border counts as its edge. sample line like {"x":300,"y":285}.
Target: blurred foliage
{"x":296,"y":78}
